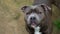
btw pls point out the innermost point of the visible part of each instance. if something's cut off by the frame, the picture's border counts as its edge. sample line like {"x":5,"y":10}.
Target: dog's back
{"x":47,"y":2}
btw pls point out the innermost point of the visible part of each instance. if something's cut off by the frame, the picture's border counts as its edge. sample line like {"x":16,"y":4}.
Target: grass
{"x":11,"y":17}
{"x":56,"y":19}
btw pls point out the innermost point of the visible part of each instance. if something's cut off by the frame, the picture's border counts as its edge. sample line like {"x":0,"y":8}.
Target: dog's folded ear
{"x":24,"y":7}
{"x":47,"y":9}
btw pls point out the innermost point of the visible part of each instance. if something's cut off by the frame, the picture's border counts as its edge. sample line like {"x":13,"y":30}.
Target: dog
{"x":37,"y":15}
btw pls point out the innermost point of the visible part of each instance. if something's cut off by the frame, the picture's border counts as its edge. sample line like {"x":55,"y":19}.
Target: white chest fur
{"x":37,"y":29}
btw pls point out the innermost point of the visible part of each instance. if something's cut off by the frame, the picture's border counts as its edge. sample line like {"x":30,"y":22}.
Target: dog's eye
{"x":27,"y":13}
{"x":40,"y":12}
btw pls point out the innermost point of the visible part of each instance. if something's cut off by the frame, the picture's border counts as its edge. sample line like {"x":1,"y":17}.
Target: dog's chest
{"x":37,"y":30}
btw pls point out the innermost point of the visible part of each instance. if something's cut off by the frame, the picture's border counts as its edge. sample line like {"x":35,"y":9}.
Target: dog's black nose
{"x":32,"y":18}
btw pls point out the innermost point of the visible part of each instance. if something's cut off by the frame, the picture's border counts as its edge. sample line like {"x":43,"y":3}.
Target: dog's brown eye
{"x":27,"y":13}
{"x":40,"y":12}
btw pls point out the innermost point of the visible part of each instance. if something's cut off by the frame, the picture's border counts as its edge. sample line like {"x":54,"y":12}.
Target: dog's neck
{"x":37,"y":29}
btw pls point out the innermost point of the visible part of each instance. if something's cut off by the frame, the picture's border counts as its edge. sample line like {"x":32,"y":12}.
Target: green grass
{"x":11,"y":17}
{"x":17,"y":16}
{"x":57,"y":23}
{"x":56,"y":20}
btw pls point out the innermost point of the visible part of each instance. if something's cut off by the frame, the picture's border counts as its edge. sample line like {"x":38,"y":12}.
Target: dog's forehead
{"x":36,"y":7}
{"x":33,"y":7}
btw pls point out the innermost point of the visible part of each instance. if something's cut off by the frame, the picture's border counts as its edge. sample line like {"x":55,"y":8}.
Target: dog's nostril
{"x":32,"y":18}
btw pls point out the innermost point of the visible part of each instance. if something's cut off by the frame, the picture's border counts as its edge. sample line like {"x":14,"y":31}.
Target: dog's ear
{"x":24,"y":7}
{"x":46,"y":8}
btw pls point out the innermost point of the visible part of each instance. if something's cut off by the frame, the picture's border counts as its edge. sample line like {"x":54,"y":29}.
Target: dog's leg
{"x":47,"y":2}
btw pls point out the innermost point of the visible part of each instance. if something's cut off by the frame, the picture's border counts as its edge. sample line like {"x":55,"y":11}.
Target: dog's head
{"x":34,"y":14}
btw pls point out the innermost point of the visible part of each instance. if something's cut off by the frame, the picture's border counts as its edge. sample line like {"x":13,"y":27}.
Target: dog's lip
{"x":33,"y":22}
{"x":33,"y":25}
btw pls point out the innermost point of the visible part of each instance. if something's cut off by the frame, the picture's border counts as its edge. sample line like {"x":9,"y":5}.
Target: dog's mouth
{"x":33,"y":24}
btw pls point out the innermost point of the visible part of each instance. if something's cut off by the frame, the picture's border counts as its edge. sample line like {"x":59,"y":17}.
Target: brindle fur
{"x":46,"y":25}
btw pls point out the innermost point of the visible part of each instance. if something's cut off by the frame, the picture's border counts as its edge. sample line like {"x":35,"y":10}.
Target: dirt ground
{"x":11,"y":16}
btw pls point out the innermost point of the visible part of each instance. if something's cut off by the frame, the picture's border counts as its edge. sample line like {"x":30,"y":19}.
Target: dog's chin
{"x":33,"y":25}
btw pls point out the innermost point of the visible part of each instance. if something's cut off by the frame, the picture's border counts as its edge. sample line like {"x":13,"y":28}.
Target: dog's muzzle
{"x":33,"y":22}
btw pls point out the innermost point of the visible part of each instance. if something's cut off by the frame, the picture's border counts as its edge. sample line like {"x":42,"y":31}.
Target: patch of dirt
{"x":11,"y":17}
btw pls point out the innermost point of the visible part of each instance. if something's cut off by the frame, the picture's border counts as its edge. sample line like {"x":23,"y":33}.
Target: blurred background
{"x":12,"y":18}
